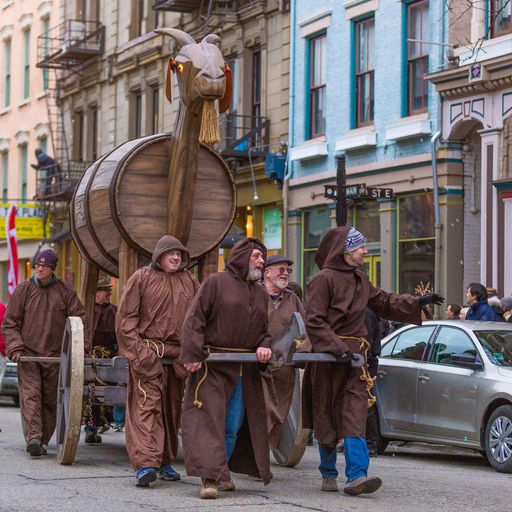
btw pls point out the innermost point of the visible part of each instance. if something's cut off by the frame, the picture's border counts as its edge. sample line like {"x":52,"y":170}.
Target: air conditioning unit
{"x":75,"y":33}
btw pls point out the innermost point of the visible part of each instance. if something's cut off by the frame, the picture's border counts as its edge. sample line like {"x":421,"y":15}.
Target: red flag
{"x":12,"y":247}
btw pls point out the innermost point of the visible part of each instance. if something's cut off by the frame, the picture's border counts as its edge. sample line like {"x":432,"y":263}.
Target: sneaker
{"x":92,"y":438}
{"x":103,"y":429}
{"x":168,"y":473}
{"x":209,"y":490}
{"x":34,"y":447}
{"x":226,"y":486}
{"x":329,"y":484}
{"x":145,"y":476}
{"x":118,"y":427}
{"x":362,"y":485}
{"x":44,"y":450}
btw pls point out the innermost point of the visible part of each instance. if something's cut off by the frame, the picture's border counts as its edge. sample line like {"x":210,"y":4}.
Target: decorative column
{"x":387,"y":213}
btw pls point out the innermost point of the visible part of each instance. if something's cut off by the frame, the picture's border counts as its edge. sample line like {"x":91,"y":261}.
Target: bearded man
{"x":224,"y":418}
{"x":33,"y":326}
{"x":279,"y":383}
{"x":336,"y":396}
{"x":148,"y":323}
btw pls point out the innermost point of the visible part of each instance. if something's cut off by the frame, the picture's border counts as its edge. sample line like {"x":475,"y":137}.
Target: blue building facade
{"x":358,"y":89}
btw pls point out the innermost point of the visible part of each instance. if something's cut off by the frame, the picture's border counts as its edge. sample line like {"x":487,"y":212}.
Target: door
{"x":447,"y":394}
{"x":399,"y":364}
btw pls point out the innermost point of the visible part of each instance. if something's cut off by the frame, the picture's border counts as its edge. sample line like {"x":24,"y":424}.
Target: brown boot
{"x":329,"y":484}
{"x":209,"y":490}
{"x":362,"y":485}
{"x":226,"y":486}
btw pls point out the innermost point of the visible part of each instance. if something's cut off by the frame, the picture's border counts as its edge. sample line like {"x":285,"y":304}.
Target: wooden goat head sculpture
{"x":202,"y":73}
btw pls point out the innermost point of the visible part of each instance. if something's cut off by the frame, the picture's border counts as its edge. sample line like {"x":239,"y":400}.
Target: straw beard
{"x":209,"y":133}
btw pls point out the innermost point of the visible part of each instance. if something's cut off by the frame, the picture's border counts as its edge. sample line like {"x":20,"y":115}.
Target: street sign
{"x":359,"y":191}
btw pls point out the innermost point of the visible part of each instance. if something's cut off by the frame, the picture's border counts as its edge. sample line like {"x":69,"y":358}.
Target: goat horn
{"x":211,"y":38}
{"x":182,"y":38}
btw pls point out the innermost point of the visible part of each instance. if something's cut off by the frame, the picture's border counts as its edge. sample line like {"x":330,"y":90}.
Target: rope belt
{"x":209,"y":348}
{"x":365,"y":376}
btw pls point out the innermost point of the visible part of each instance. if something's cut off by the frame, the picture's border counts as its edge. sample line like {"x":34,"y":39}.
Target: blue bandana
{"x":355,"y":240}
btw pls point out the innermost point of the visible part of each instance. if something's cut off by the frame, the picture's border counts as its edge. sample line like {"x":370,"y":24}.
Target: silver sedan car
{"x":448,"y":382}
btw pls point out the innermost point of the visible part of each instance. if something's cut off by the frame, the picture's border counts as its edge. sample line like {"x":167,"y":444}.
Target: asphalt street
{"x":416,"y":478}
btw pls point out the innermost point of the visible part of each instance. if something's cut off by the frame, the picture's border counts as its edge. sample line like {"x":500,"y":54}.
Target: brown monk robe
{"x":33,"y":326}
{"x":335,"y":398}
{"x":228,"y":312}
{"x":148,"y":324}
{"x":279,"y":383}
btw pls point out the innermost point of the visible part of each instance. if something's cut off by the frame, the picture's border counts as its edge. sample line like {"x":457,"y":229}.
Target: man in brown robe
{"x":33,"y":326}
{"x":148,"y":323}
{"x":336,"y":396}
{"x":104,"y":345}
{"x":224,"y":418}
{"x":279,"y":383}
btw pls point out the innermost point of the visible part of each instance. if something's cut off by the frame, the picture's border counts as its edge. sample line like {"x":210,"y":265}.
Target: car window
{"x":497,"y":345}
{"x":451,"y":340}
{"x":411,"y":344}
{"x":387,"y":348}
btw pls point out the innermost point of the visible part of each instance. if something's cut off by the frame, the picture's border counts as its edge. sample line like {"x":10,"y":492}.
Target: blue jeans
{"x":119,"y":414}
{"x":356,"y":459}
{"x":235,"y":414}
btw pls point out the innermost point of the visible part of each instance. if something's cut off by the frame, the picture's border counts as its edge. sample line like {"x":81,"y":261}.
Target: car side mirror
{"x":470,"y":361}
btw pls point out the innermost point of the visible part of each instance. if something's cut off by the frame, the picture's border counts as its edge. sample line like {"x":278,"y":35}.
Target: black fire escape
{"x":64,"y":49}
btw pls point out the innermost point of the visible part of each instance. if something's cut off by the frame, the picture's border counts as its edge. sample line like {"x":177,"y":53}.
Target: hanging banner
{"x":29,"y":221}
{"x":13,"y":278}
{"x":272,"y":228}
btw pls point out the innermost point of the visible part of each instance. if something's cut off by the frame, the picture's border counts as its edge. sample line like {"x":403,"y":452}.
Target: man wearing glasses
{"x":33,"y":326}
{"x":279,"y":383}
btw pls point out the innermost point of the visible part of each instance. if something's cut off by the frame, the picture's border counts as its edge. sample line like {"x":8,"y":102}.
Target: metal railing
{"x":57,"y":183}
{"x":241,"y":133}
{"x":70,"y":43}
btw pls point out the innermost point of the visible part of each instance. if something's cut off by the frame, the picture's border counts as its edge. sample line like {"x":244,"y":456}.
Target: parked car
{"x":448,"y":382}
{"x":10,"y":382}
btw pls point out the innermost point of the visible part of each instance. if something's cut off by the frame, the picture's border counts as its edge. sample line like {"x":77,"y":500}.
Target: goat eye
{"x":180,"y":68}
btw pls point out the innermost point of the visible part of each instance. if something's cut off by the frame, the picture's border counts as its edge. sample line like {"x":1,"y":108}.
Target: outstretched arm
{"x":391,"y":306}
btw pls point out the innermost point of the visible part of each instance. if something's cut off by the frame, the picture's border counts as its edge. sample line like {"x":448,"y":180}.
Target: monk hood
{"x":331,"y":249}
{"x":238,"y":261}
{"x":169,"y":243}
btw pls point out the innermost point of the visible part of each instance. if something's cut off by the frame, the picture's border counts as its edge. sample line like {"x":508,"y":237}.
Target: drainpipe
{"x":288,"y":168}
{"x":438,"y":227}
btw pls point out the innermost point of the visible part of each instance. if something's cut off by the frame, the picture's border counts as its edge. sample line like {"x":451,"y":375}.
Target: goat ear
{"x":225,"y":101}
{"x":168,"y":84}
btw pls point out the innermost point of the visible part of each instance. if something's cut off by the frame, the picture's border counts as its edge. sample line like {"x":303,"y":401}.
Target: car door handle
{"x":382,"y":373}
{"x":424,"y":378}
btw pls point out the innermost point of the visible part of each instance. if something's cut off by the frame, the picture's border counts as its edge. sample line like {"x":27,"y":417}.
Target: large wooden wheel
{"x":70,"y":393}
{"x":294,"y":438}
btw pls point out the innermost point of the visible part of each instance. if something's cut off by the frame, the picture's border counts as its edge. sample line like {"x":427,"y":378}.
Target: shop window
{"x":500,"y":17}
{"x":366,"y":218}
{"x":316,"y":224}
{"x":417,"y":57}
{"x":272,"y":229}
{"x":364,"y":48}
{"x":317,"y":85}
{"x":416,"y":243}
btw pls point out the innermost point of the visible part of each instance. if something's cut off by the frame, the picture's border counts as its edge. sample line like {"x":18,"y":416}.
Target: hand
{"x":15,"y":356}
{"x":192,"y":367}
{"x":263,"y":354}
{"x":431,"y":298}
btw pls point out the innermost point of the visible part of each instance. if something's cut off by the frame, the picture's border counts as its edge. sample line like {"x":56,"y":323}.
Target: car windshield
{"x":497,"y":346}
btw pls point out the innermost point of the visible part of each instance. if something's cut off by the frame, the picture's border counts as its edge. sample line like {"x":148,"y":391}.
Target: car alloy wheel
{"x":500,"y":439}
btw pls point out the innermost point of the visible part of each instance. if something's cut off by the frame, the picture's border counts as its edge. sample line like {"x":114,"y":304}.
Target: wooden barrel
{"x":123,"y":196}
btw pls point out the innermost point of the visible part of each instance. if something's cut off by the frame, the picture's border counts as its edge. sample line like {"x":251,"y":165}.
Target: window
{"x":366,"y":218}
{"x":7,"y":73}
{"x":410,"y":344}
{"x":93,"y":132}
{"x":364,"y":71}
{"x":78,"y":138}
{"x":137,"y":115}
{"x":316,"y":223}
{"x":46,"y":51}
{"x":417,"y":57}
{"x":451,"y":340}
{"x":23,"y":173}
{"x":416,"y":242}
{"x":317,"y":85}
{"x":256,"y":85}
{"x":26,"y":64}
{"x":155,"y":110}
{"x":500,"y":17}
{"x":5,"y":176}
{"x":497,"y":345}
